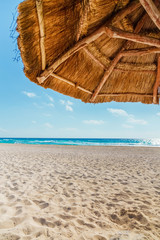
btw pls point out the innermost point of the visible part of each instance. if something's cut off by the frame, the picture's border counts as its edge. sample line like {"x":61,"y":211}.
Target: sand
{"x":79,"y":193}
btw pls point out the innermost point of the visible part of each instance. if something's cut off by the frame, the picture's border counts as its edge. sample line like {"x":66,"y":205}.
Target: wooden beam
{"x":113,"y":32}
{"x":82,"y":19}
{"x":140,"y":52}
{"x":131,"y":52}
{"x":134,"y":70}
{"x":114,"y":63}
{"x":70,"y":83}
{"x":100,"y":95}
{"x":84,"y":42}
{"x":137,"y":29}
{"x":125,"y":94}
{"x":136,"y":67}
{"x":39,"y":7}
{"x":63,"y":79}
{"x":125,"y":11}
{"x":152,"y":11}
{"x":107,"y":73}
{"x":141,"y":23}
{"x":94,"y":58}
{"x":78,"y":46}
{"x":157,"y":83}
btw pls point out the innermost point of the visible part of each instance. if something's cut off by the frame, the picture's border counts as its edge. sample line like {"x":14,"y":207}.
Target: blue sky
{"x":28,"y":110}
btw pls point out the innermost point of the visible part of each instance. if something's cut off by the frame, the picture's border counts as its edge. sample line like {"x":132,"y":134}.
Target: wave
{"x":152,"y":142}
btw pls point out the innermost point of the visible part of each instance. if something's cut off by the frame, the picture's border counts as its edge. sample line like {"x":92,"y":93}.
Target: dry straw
{"x":94,"y":50}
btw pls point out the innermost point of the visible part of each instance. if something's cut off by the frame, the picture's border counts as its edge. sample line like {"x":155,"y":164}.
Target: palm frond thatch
{"x":94,"y":50}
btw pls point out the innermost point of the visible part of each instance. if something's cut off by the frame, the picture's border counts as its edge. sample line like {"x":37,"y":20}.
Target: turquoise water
{"x":152,"y":142}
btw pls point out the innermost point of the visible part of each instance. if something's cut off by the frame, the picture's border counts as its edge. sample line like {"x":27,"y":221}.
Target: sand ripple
{"x":79,"y":193}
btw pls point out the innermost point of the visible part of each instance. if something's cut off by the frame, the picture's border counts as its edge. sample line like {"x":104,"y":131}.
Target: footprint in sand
{"x":97,"y":213}
{"x":98,"y":237}
{"x":128,"y":217}
{"x":41,"y":204}
{"x":102,"y":224}
{"x":44,"y":222}
{"x":11,"y":222}
{"x":11,"y":197}
{"x":17,"y":220}
{"x":30,"y":229}
{"x":66,"y":217}
{"x":81,"y":222}
{"x":18,"y":212}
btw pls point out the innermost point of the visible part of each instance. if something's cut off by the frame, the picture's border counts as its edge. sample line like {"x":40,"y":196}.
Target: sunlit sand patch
{"x":82,"y":193}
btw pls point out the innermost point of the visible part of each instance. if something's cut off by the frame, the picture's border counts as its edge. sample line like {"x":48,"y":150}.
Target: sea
{"x":137,"y":142}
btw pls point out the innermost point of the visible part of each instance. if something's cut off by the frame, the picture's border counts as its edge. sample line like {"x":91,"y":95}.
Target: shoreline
{"x":124,"y":142}
{"x":74,"y":145}
{"x":79,"y":192}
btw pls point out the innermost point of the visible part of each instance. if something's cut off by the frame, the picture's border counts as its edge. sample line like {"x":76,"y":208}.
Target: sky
{"x":28,"y":110}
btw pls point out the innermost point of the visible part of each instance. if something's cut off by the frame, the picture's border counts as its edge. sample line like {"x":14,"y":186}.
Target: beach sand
{"x":79,"y":193}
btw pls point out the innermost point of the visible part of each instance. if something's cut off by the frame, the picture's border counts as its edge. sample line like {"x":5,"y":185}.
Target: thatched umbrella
{"x":94,"y":50}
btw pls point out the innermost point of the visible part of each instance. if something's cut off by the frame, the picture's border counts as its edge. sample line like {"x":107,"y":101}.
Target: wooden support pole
{"x":113,"y":32}
{"x":39,"y":6}
{"x":152,"y":11}
{"x":85,"y":41}
{"x":157,"y":83}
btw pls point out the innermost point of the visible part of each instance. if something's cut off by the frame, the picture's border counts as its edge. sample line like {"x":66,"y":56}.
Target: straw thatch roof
{"x":94,"y":50}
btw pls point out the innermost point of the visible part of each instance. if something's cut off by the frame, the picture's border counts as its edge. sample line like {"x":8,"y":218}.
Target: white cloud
{"x":94,"y":122}
{"x":119,"y":112}
{"x":29,"y":94}
{"x":50,"y":98}
{"x":136,"y":121}
{"x":62,"y":102}
{"x":49,"y":104}
{"x":158,"y":114}
{"x":129,"y":117}
{"x":127,"y":126}
{"x":43,"y":105}
{"x":69,"y":108}
{"x":48,"y":125}
{"x":67,"y":105}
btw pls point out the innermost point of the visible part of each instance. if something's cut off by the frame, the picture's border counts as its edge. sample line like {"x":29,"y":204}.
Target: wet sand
{"x":79,"y":193}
